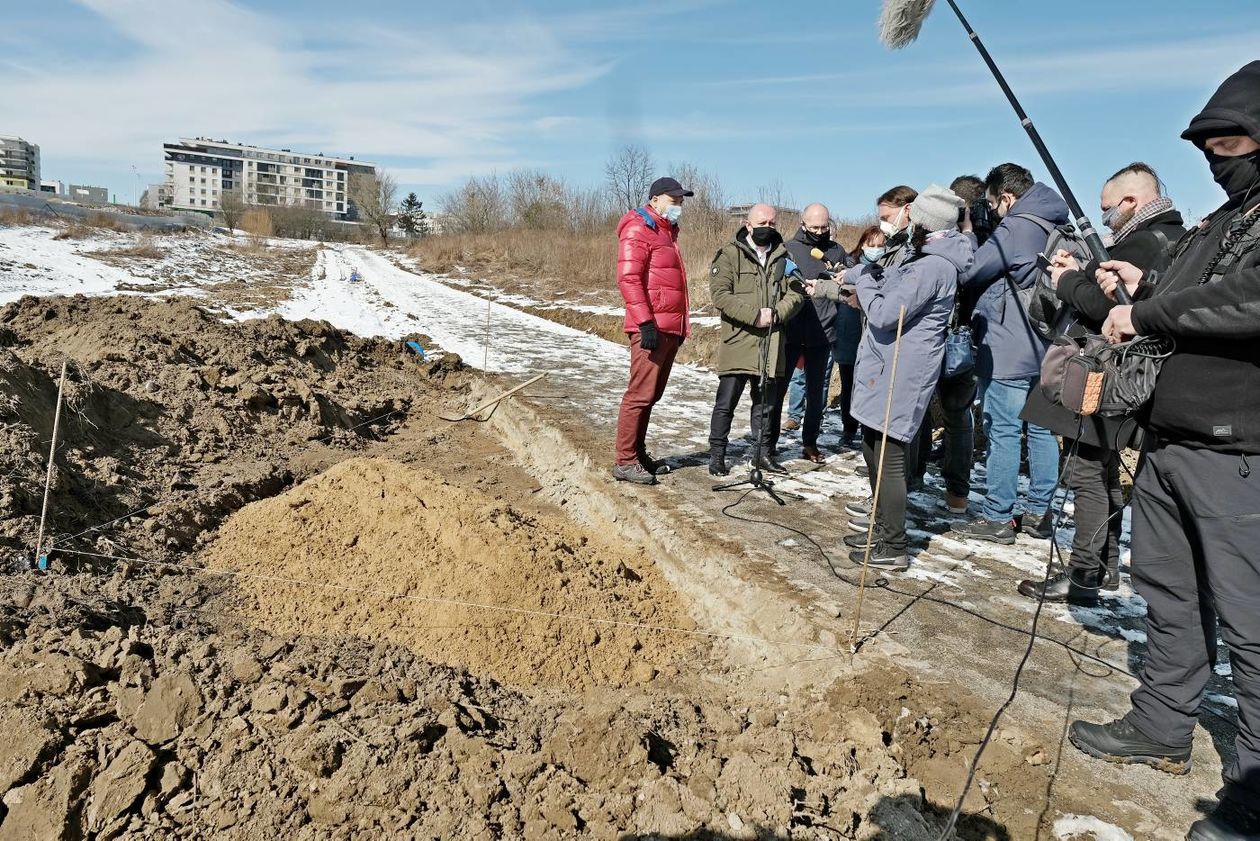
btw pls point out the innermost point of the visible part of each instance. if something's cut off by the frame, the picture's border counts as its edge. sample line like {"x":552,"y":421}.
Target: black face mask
{"x":763,"y":236}
{"x":1238,"y":175}
{"x":816,"y":239}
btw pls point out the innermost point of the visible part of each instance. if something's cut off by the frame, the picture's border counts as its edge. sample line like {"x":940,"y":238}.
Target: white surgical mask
{"x":873,"y":253}
{"x":891,"y":229}
{"x":673,"y":213}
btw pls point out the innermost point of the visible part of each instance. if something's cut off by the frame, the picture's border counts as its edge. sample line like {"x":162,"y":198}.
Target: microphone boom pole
{"x":900,"y":26}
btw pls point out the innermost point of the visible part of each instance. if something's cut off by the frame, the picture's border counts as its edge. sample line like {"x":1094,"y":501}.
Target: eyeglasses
{"x":817,"y":229}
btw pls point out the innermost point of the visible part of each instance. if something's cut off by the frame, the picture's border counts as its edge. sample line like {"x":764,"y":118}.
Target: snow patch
{"x":1088,"y":828}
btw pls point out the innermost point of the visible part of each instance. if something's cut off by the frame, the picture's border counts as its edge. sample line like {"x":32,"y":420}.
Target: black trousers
{"x":815,"y":374}
{"x":955,"y":396}
{"x":1196,"y":561}
{"x":730,"y":389}
{"x":1093,"y":474}
{"x":851,"y":425}
{"x":890,"y":512}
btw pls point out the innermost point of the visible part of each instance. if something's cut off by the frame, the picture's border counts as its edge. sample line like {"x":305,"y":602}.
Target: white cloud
{"x":436,"y":100}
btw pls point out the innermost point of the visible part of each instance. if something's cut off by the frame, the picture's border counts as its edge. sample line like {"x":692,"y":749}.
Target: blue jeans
{"x":796,"y":395}
{"x":1001,"y":402}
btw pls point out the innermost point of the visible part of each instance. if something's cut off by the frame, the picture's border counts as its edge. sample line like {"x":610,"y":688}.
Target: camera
{"x":983,"y":219}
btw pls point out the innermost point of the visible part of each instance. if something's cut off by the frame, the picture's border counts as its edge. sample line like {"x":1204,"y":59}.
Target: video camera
{"x":982,"y":219}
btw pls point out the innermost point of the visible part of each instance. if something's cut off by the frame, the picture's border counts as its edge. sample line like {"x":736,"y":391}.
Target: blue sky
{"x":798,"y":97}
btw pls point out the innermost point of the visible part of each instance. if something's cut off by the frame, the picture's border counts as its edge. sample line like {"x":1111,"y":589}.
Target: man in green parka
{"x":750,"y":290}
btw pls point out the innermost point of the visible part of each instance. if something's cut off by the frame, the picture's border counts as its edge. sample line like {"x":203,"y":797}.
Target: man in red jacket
{"x":653,"y":283}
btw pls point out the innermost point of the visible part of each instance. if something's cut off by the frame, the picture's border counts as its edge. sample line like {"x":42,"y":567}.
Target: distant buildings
{"x":84,"y":193}
{"x":19,"y":164}
{"x":199,"y":171}
{"x":55,"y":188}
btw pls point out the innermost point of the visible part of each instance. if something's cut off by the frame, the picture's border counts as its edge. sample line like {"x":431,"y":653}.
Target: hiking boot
{"x":1231,"y":820}
{"x":1078,"y":588}
{"x":633,"y":473}
{"x":1112,"y":582}
{"x":767,"y":464}
{"x":656,"y":467}
{"x":990,"y":530}
{"x":882,"y":556}
{"x":791,"y":424}
{"x":1042,"y":529}
{"x":954,"y":504}
{"x":858,"y":509}
{"x":717,"y":463}
{"x":1122,"y":743}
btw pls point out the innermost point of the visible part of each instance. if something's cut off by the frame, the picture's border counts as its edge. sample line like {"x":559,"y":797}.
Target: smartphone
{"x":1043,"y":262}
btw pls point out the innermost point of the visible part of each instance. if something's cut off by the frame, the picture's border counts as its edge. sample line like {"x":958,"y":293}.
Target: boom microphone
{"x":900,"y":24}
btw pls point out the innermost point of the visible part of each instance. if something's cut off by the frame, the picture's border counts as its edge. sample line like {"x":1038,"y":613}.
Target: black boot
{"x":1041,"y":528}
{"x":1112,"y":581}
{"x":1077,"y":587}
{"x":1229,"y":821}
{"x":1124,"y":744}
{"x":767,"y":464}
{"x":657,"y":467}
{"x":717,"y":462}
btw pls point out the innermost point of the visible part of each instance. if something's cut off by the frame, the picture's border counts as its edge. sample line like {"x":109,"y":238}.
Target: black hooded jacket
{"x":813,"y":326}
{"x":1208,"y":392}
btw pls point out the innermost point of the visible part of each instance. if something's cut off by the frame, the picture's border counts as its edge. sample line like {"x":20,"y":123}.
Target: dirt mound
{"x":129,"y":708}
{"x":375,"y":524}
{"x":169,"y":404}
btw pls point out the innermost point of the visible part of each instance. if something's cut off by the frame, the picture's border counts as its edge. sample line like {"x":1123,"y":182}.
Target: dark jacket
{"x":1007,"y":348}
{"x":1208,"y":391}
{"x":848,"y":328}
{"x":1143,"y":248}
{"x":925,"y":284}
{"x":741,"y":286}
{"x":815,"y":324}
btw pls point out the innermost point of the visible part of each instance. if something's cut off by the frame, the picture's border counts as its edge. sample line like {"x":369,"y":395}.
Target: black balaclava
{"x":1233,"y":110}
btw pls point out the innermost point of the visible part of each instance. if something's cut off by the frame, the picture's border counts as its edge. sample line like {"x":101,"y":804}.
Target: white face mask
{"x":891,"y":229}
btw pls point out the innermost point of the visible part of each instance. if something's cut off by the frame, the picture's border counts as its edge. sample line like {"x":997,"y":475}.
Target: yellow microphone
{"x":816,"y":253}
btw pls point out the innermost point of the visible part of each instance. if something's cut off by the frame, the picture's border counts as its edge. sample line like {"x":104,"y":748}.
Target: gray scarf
{"x":1146,"y":212}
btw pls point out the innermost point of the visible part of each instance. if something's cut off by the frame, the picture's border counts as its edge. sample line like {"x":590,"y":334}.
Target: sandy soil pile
{"x":375,"y":524}
{"x":168,"y":402}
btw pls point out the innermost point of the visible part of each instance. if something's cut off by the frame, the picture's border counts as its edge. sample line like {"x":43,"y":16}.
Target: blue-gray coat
{"x":925,"y":285}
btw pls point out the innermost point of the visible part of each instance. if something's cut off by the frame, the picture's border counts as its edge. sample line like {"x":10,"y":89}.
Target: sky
{"x":793,"y":100}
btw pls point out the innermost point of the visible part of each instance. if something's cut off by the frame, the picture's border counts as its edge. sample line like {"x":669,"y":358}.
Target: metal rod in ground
{"x":879,"y":481}
{"x":52,"y":452}
{"x":474,"y":412}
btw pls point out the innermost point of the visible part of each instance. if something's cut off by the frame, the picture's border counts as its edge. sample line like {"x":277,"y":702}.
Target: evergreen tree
{"x":412,"y":218}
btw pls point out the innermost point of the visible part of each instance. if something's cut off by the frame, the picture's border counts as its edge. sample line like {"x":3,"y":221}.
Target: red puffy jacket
{"x":651,"y":274}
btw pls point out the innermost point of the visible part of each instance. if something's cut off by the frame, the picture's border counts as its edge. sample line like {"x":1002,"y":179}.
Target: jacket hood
{"x":953,"y":246}
{"x":1235,"y":105}
{"x":1043,"y":202}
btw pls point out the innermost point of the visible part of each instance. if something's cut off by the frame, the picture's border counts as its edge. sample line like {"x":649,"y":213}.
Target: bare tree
{"x":538,"y":200}
{"x":375,"y":201}
{"x":629,"y":174}
{"x":705,"y":213}
{"x":231,"y":207}
{"x":479,"y":206}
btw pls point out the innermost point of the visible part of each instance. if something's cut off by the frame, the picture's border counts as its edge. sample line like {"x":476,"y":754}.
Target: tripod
{"x":756,"y":480}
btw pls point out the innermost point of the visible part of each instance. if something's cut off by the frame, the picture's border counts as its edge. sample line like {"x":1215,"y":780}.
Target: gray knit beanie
{"x":936,"y":209}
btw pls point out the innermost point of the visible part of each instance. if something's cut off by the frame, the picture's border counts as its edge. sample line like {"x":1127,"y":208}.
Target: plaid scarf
{"x":1148,"y":211}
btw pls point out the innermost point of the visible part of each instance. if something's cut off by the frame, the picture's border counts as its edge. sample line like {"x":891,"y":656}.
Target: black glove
{"x":648,"y":337}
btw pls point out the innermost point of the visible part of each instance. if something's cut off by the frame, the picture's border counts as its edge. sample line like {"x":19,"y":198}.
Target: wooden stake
{"x":491,"y":402}
{"x":879,"y":481}
{"x":52,"y":452}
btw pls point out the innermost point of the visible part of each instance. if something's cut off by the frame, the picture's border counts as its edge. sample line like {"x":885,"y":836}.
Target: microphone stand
{"x":756,"y":480}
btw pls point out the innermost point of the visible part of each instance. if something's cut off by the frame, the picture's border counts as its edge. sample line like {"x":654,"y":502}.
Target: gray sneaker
{"x":859,"y":509}
{"x":633,"y":473}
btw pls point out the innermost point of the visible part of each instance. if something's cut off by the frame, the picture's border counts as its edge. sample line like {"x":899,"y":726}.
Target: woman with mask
{"x":923,"y":284}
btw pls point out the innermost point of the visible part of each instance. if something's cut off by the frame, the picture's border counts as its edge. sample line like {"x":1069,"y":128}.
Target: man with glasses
{"x":812,"y":332}
{"x":750,"y":291}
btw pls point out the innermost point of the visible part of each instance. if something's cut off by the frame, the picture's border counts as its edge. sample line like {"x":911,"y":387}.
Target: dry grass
{"x":89,"y":225}
{"x":257,"y":222}
{"x":16,"y":216}
{"x":145,"y":248}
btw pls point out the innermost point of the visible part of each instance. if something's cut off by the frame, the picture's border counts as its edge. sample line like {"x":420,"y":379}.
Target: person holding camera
{"x":907,"y":311}
{"x":1196,"y":501}
{"x":812,"y":331}
{"x":652,"y":279}
{"x":750,"y":290}
{"x":1145,"y":227}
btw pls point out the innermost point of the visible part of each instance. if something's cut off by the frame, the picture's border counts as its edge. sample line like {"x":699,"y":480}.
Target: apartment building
{"x":199,"y":171}
{"x":19,"y":164}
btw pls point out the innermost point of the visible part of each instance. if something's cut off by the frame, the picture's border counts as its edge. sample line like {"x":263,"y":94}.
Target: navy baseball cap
{"x":668,"y":187}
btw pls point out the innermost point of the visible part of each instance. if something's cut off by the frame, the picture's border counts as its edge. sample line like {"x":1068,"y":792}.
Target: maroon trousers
{"x":649,"y":373}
